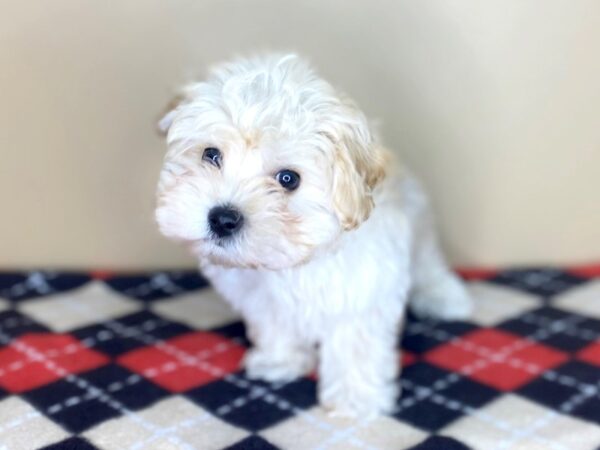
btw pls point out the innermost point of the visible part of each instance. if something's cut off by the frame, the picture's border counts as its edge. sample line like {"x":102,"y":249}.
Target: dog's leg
{"x":437,"y":292}
{"x":358,"y":367}
{"x":276,"y":355}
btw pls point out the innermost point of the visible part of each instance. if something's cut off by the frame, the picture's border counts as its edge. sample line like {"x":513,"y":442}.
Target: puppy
{"x":306,"y":225}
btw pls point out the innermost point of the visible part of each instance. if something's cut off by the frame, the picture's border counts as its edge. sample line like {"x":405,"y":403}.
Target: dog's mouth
{"x":220,"y":242}
{"x":221,"y":249}
{"x":239,"y":251}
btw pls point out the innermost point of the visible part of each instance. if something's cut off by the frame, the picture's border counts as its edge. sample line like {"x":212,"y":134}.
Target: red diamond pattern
{"x":591,"y":354}
{"x":37,"y":359}
{"x":496,"y":358}
{"x":407,"y":358}
{"x":186,"y":361}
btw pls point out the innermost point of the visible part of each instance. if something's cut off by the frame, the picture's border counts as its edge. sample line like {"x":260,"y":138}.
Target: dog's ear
{"x":166,"y":118}
{"x":359,"y":164}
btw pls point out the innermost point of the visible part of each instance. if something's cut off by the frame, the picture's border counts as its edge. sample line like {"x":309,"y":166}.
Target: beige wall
{"x":495,"y":103}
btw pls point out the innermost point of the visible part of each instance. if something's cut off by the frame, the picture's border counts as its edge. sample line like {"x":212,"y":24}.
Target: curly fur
{"x":323,"y":273}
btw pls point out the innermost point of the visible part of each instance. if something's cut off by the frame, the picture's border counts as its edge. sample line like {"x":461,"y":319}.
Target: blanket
{"x":119,"y":361}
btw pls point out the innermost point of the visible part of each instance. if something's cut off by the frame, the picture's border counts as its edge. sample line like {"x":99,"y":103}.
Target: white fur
{"x":308,"y":288}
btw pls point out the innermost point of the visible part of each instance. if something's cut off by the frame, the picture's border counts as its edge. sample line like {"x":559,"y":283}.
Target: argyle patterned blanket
{"x":151,"y":361}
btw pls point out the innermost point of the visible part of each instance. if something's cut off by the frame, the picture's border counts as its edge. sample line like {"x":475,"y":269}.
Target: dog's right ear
{"x":168,"y":115}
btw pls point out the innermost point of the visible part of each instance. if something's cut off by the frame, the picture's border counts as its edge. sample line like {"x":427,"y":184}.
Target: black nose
{"x":224,"y":220}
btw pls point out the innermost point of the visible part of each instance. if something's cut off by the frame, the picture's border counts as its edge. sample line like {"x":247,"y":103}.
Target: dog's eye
{"x":288,"y":179}
{"x":212,"y":155}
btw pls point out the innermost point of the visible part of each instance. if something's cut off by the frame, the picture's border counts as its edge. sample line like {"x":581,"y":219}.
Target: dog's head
{"x":267,"y":164}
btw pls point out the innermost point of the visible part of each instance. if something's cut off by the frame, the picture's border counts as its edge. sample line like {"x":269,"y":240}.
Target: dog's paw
{"x":363,"y":402}
{"x":260,"y":364}
{"x":445,"y":300}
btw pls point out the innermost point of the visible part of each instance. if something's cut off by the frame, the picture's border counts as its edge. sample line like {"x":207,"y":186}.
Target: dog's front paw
{"x":358,"y":401}
{"x":261,"y":364}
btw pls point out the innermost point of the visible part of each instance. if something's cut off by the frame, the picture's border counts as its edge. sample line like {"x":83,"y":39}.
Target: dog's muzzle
{"x":224,"y":221}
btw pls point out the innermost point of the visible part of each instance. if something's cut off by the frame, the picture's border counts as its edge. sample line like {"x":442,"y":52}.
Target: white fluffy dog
{"x":303,"y":222}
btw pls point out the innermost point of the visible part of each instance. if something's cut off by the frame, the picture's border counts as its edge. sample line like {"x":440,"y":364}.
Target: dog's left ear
{"x":166,"y":118}
{"x":359,"y":164}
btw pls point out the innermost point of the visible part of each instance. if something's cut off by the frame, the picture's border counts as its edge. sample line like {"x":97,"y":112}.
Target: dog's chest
{"x":311,"y":297}
{"x":302,"y":293}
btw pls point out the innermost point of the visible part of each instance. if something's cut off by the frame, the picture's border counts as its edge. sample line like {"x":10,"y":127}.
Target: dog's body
{"x":322,"y":270}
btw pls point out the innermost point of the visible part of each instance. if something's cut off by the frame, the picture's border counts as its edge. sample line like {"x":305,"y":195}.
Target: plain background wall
{"x":495,"y":104}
